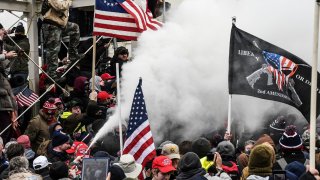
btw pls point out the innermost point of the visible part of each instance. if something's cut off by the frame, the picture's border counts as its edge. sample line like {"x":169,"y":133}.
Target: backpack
{"x":45,"y":7}
{"x":43,"y":148}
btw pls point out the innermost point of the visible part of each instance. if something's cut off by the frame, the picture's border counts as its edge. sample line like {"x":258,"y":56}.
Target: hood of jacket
{"x":193,"y":174}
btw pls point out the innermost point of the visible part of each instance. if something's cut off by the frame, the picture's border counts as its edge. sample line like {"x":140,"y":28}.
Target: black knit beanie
{"x":59,"y":139}
{"x":189,"y":161}
{"x":201,"y":147}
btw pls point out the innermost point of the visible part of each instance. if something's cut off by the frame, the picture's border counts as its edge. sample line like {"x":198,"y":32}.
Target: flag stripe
{"x":149,"y":157}
{"x":143,"y":148}
{"x":116,"y":35}
{"x":146,"y":152}
{"x":137,"y":131}
{"x":117,"y":28}
{"x":136,"y":12}
{"x":115,"y":23}
{"x":120,"y":17}
{"x":139,"y":140}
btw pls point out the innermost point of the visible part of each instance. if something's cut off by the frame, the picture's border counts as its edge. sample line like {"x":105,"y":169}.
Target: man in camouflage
{"x":55,"y":25}
{"x":19,"y":65}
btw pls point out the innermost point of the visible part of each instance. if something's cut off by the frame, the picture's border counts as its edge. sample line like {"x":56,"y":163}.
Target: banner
{"x":260,"y":69}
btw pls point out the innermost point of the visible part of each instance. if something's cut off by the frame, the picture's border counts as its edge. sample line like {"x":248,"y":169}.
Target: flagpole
{"x":93,"y":64}
{"x":164,"y":11}
{"x":119,"y":108}
{"x":230,"y":96}
{"x":313,"y":106}
{"x":229,"y":114}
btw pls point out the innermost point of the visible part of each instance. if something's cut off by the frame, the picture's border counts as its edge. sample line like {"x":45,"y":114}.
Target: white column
{"x":32,"y":30}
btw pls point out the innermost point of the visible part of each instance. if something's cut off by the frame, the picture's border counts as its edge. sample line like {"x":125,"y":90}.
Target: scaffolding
{"x":31,"y":9}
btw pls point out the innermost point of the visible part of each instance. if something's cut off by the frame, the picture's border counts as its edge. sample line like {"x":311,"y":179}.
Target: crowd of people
{"x":56,"y":143}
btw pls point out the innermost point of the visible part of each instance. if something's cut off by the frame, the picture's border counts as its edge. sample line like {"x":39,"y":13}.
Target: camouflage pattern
{"x":52,"y":36}
{"x":19,"y":64}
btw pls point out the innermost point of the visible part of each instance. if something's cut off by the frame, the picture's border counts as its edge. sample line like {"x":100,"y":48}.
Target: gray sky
{"x":7,"y":19}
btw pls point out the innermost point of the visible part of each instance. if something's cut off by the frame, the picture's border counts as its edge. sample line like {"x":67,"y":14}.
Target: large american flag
{"x":122,"y":19}
{"x":139,"y":141}
{"x":26,"y":97}
{"x":278,"y":64}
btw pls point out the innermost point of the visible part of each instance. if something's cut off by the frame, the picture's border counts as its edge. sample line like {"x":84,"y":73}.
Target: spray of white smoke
{"x":184,"y":66}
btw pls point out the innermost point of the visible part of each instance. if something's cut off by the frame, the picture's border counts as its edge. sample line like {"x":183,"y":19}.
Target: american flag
{"x":139,"y":142}
{"x":122,"y":19}
{"x":26,"y":97}
{"x":278,"y":64}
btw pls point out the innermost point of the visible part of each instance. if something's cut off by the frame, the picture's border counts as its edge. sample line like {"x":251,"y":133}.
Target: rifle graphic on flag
{"x":260,"y":69}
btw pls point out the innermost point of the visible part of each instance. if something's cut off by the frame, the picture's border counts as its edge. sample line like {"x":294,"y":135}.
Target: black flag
{"x":260,"y":69}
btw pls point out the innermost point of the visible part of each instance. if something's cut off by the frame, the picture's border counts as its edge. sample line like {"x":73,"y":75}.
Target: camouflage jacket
{"x":58,"y":12}
{"x":20,"y":63}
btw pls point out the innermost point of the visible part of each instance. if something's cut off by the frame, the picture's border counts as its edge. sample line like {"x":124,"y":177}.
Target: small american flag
{"x":139,"y":142}
{"x":122,"y":19}
{"x":278,"y":64}
{"x":26,"y":97}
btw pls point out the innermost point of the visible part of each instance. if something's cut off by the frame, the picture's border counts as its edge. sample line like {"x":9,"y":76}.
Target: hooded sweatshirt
{"x":190,"y":167}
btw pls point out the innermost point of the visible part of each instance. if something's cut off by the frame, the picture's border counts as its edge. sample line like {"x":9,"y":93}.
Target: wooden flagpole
{"x":313,"y":106}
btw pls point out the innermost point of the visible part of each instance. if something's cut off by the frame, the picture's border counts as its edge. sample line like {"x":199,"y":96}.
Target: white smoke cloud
{"x":184,"y":66}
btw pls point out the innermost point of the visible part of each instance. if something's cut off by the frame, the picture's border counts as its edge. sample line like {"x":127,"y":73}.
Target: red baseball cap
{"x":163,"y":163}
{"x":103,"y":95}
{"x":73,"y":147}
{"x":81,"y":150}
{"x":106,"y":76}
